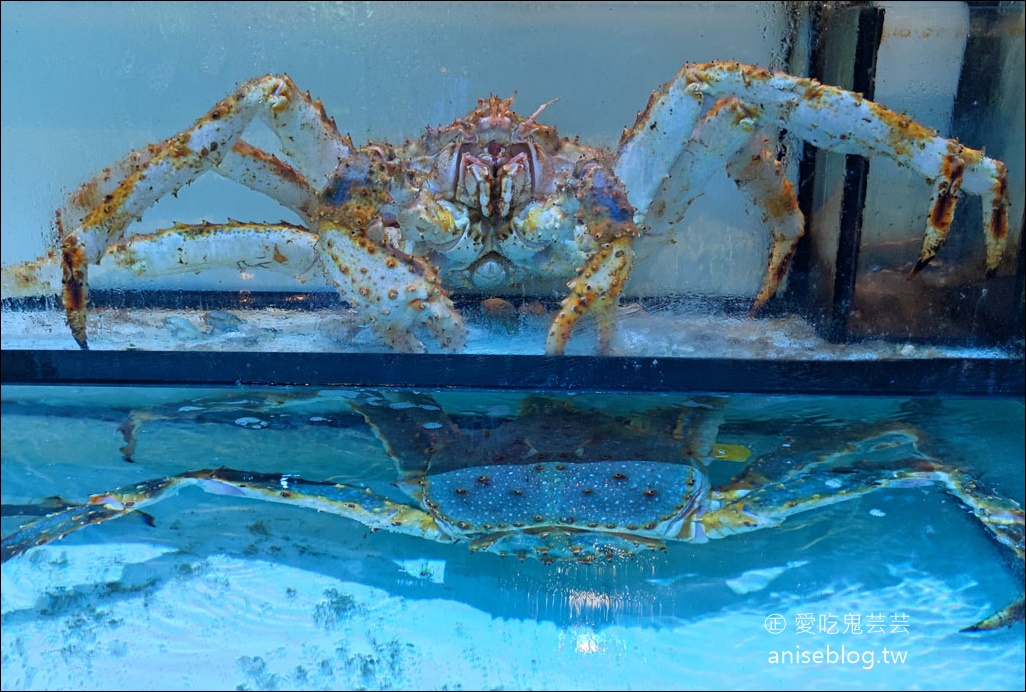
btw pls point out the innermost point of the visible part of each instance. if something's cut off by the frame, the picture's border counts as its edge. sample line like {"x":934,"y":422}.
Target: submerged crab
{"x":561,"y":482}
{"x":493,"y":202}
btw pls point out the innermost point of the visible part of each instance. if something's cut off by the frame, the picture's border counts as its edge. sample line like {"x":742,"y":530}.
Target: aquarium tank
{"x":611,"y":345}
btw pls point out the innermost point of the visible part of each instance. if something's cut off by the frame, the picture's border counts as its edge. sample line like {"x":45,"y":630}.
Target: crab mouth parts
{"x":491,"y":270}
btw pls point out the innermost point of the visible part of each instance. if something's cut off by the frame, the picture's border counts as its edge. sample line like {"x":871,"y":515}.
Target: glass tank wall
{"x":506,"y":357}
{"x":130,"y":75}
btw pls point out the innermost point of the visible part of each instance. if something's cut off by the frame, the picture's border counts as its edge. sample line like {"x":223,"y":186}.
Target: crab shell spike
{"x":493,"y":111}
{"x":534,"y":116}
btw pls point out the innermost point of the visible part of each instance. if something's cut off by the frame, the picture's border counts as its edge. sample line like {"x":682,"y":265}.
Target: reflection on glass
{"x":841,"y":518}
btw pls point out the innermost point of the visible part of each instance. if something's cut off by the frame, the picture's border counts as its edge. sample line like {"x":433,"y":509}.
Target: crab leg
{"x":760,"y":175}
{"x":717,"y":137}
{"x":726,"y":138}
{"x":397,"y":292}
{"x":267,"y":174}
{"x":597,"y":286}
{"x":649,"y":149}
{"x":256,"y":169}
{"x":654,"y":152}
{"x":609,"y":267}
{"x":98,"y":214}
{"x":845,"y":122}
{"x":185,"y":248}
{"x":194,"y":247}
{"x":349,"y":501}
{"x":815,"y":486}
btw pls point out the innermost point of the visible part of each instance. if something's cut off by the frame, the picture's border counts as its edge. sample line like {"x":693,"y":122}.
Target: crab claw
{"x":398,"y":292}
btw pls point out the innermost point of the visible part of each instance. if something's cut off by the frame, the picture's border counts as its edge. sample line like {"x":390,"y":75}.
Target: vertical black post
{"x":1016,"y":336}
{"x":799,"y":279}
{"x":979,"y":115}
{"x":856,"y":173}
{"x":830,"y":312}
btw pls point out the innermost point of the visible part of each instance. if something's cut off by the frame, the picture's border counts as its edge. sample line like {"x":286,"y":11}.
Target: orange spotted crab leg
{"x":727,"y":138}
{"x":758,"y":173}
{"x":845,"y":122}
{"x":394,"y":290}
{"x":397,"y":293}
{"x":98,"y":214}
{"x":353,"y":502}
{"x":596,"y":287}
{"x":745,"y":509}
{"x":833,"y":119}
{"x":185,"y":248}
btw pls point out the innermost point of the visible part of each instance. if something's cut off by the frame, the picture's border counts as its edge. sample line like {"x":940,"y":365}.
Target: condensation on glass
{"x":129,"y":75}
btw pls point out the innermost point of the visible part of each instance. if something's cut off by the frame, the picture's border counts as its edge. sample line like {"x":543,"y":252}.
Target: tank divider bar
{"x":907,"y":377}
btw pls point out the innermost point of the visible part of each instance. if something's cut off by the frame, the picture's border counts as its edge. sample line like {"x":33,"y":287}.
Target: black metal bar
{"x":799,"y":279}
{"x":933,"y":376}
{"x":831,"y":319}
{"x":856,"y":174}
{"x":1018,"y":334}
{"x":975,"y":118}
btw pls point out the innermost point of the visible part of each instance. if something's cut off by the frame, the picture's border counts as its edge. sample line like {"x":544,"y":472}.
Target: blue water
{"x":217,"y":592}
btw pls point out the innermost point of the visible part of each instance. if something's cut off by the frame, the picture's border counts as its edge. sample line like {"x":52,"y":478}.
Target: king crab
{"x":563,"y":482}
{"x":494,"y":201}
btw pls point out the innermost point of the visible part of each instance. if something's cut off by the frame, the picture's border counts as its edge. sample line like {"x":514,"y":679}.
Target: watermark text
{"x":828,"y":655}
